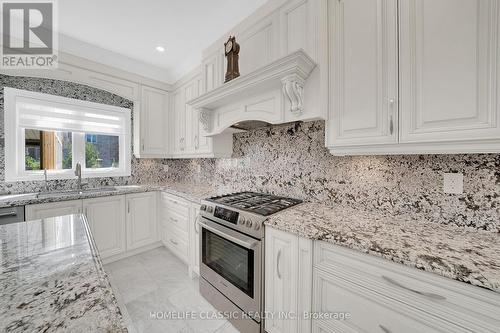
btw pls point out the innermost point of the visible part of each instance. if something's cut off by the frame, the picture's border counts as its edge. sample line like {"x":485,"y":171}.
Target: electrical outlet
{"x":165,"y":168}
{"x":453,"y":183}
{"x":198,"y":168}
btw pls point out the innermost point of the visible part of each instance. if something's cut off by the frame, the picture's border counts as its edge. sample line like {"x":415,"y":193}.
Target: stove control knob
{"x":210,"y":209}
{"x":203,"y":207}
{"x":242,"y":221}
{"x":257,"y":226}
{"x":249,"y":223}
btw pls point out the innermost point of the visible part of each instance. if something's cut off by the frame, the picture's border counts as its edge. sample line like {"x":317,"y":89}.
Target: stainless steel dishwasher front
{"x":11,"y":215}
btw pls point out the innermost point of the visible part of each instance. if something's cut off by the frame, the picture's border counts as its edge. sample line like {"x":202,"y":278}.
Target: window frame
{"x":15,"y":140}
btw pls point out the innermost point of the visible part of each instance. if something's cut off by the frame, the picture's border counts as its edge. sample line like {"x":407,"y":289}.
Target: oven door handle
{"x":235,"y":239}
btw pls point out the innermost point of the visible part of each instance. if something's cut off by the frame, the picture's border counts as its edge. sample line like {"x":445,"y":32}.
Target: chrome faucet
{"x":46,"y":185}
{"x":78,"y":173}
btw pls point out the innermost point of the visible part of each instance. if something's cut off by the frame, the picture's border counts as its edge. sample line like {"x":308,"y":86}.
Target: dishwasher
{"x":11,"y":215}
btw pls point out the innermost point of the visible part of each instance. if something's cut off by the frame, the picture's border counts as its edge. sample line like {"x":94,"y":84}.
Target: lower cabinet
{"x":288,"y":273}
{"x":41,"y":211}
{"x":141,"y":220}
{"x":175,"y":217}
{"x":369,"y":294}
{"x":106,"y":217}
{"x":180,"y":230}
{"x":194,"y":240}
{"x":347,"y":291}
{"x":119,"y":224}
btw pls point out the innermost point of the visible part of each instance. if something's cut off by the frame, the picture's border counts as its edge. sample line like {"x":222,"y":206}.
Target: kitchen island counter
{"x":52,"y":279}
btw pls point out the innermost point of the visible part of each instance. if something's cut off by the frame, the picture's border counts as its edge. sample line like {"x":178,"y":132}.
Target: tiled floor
{"x":156,"y":281}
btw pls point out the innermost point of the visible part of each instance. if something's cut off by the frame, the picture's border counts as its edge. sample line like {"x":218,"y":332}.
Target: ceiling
{"x":125,"y":33}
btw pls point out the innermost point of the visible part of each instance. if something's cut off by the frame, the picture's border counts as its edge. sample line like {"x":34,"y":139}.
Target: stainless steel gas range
{"x":231,"y":254}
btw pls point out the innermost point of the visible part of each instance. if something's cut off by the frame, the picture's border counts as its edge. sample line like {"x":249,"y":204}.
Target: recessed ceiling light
{"x":160,"y":49}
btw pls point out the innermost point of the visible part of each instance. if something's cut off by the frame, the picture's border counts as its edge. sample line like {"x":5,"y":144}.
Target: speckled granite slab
{"x":189,"y":191}
{"x":52,"y":279}
{"x":464,"y":254}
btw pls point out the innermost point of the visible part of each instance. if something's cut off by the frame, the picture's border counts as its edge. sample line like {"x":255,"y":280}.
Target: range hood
{"x":272,"y":94}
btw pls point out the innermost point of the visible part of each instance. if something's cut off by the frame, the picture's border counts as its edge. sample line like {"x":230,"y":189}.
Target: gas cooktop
{"x":257,"y":203}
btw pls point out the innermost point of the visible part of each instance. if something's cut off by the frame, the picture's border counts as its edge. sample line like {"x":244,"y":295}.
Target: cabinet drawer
{"x":175,"y":220}
{"x":453,"y":301}
{"x":175,"y":204}
{"x":359,"y":309}
{"x":175,"y":243}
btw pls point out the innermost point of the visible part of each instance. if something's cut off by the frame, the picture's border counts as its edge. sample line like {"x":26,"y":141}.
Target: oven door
{"x":231,"y":262}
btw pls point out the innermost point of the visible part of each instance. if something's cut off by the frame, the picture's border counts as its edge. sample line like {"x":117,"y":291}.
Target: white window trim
{"x":15,"y":141}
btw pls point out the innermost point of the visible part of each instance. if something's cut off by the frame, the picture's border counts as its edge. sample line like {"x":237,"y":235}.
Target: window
{"x":46,"y":132}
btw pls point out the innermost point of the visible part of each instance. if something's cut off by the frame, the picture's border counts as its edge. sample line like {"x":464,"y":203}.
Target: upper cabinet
{"x":447,"y":77}
{"x":283,"y":62}
{"x":364,"y":77}
{"x":153,"y":123}
{"x":449,"y":70}
{"x":188,"y":137}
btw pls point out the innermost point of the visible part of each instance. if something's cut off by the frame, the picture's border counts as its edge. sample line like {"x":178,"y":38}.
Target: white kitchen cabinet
{"x":443,"y":63}
{"x":383,"y":296}
{"x":106,"y":217}
{"x":288,"y":273}
{"x":154,"y":122}
{"x":189,"y":138}
{"x":141,"y":219}
{"x":52,"y":209}
{"x":450,"y":82}
{"x":194,"y":240}
{"x":179,"y":123}
{"x":364,"y":73}
{"x":213,"y":70}
{"x":175,"y":224}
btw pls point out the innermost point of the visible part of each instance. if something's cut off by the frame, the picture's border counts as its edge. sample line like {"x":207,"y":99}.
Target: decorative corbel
{"x":205,"y":116}
{"x":293,"y":89}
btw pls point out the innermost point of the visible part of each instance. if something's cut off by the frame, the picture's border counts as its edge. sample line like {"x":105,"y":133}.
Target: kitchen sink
{"x":43,"y":195}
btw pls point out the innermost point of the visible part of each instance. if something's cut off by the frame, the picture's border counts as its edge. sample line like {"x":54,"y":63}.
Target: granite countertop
{"x":52,"y":279}
{"x":189,"y":191}
{"x":464,"y":254}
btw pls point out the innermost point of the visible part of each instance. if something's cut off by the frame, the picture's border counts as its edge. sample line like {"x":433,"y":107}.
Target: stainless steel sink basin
{"x":42,"y":195}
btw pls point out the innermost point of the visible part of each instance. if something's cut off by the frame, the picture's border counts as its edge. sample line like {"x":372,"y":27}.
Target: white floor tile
{"x":157,"y":281}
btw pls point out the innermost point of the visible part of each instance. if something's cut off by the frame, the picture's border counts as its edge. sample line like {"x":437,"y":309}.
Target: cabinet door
{"x":281,"y":275}
{"x":106,"y":218}
{"x":141,"y":220}
{"x":194,"y":240}
{"x":154,"y":122}
{"x":213,"y":71}
{"x":179,"y":118}
{"x":363,"y":73}
{"x":203,"y":144}
{"x":41,"y":211}
{"x":190,"y":114}
{"x":449,"y":56}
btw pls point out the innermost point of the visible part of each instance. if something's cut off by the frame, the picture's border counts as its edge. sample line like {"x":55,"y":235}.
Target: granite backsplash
{"x":292,"y":160}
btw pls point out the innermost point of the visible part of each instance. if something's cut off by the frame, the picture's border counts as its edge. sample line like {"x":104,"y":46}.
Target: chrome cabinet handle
{"x":391,"y":120}
{"x":173,"y":220}
{"x":8,"y":214}
{"x":384,"y":329}
{"x":278,"y":257}
{"x":196,"y":142}
{"x":142,"y":140}
{"x":173,"y":242}
{"x":423,"y":293}
{"x":196,"y":225}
